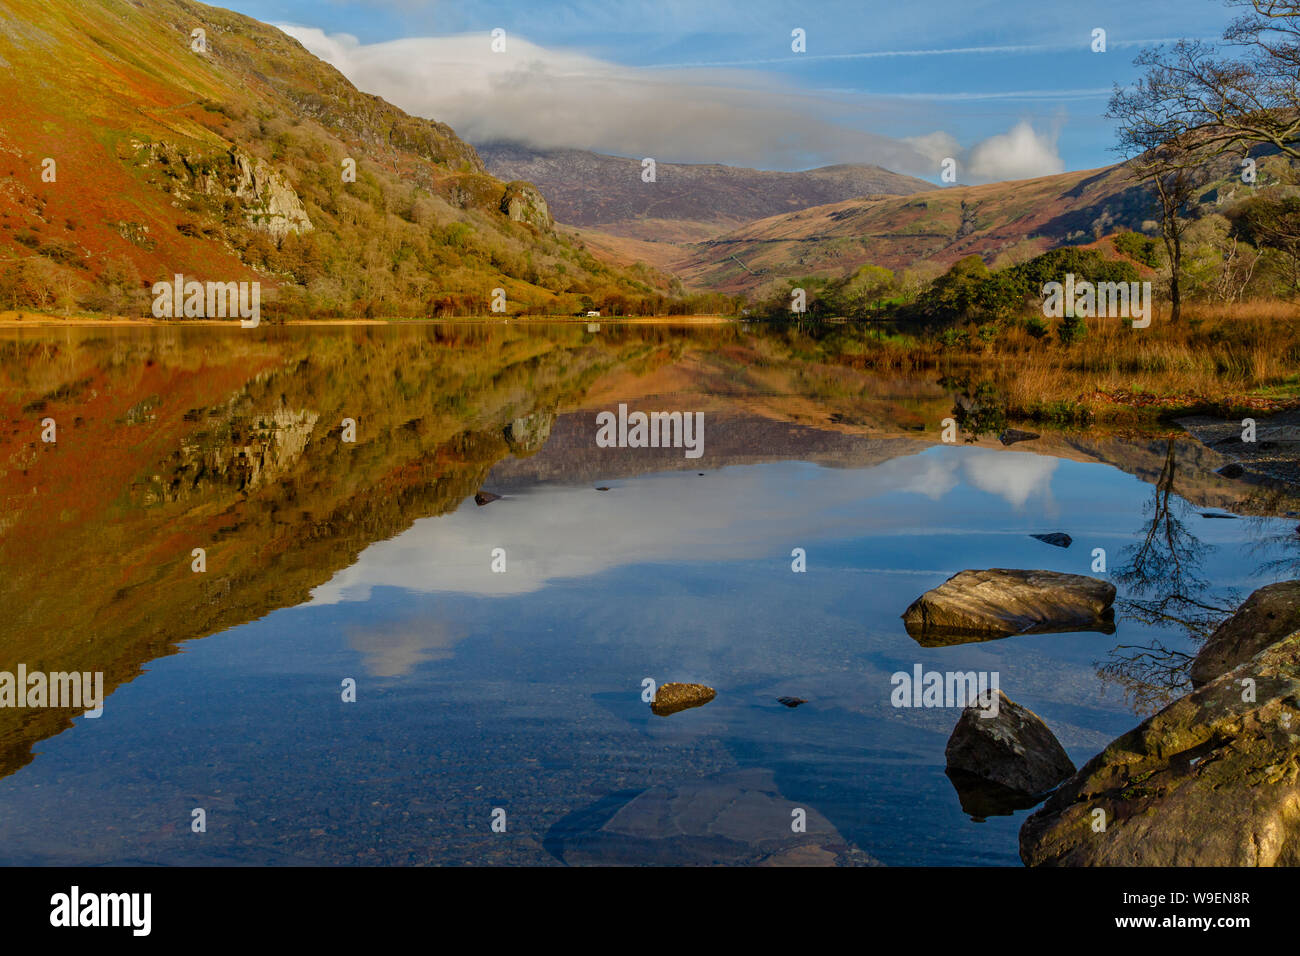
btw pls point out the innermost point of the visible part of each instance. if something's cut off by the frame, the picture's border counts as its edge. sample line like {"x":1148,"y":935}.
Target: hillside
{"x":685,"y":202}
{"x":132,"y":151}
{"x":1020,"y":219}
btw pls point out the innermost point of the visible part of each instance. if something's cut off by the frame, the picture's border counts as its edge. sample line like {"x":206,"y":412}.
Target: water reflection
{"x":328,"y":559}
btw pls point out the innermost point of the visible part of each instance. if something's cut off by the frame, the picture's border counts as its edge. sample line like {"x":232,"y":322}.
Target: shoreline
{"x":24,"y":320}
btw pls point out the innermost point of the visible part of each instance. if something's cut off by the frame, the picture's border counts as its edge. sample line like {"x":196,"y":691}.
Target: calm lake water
{"x":521,"y":690}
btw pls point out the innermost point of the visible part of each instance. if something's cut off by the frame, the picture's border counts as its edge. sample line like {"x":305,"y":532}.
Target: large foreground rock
{"x":1211,"y":780}
{"x":983,"y":605}
{"x":738,"y":818}
{"x":1263,"y":619}
{"x":1013,"y":749}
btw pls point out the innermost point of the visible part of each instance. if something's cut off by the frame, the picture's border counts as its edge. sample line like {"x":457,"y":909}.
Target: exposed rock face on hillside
{"x":268,"y":202}
{"x":524,"y":203}
{"x":1211,"y":780}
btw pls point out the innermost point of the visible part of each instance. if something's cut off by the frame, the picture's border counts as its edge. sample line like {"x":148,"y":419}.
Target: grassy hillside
{"x":226,"y":164}
{"x":1010,"y":221}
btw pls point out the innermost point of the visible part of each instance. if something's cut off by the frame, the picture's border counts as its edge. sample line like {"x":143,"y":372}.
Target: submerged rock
{"x":1013,"y":748}
{"x":999,"y":602}
{"x":734,"y":819}
{"x":1211,"y":780}
{"x":485,"y":498}
{"x":670,"y":698}
{"x":791,"y":701}
{"x":1267,"y":616}
{"x":1010,"y":436}
{"x":1057,"y":539}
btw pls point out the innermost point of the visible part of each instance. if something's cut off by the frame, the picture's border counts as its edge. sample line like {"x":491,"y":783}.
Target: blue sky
{"x":902,"y":84}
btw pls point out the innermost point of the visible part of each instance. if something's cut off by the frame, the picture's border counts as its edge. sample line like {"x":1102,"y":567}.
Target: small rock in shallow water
{"x":485,"y":497}
{"x":1057,"y":538}
{"x":791,"y":701}
{"x":670,"y":698}
{"x":1231,"y":470}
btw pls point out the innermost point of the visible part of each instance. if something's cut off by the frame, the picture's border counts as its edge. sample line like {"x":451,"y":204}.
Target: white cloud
{"x":555,"y":98}
{"x":1021,"y":153}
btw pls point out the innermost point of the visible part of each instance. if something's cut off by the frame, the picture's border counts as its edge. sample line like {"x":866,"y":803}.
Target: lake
{"x":499,"y":652}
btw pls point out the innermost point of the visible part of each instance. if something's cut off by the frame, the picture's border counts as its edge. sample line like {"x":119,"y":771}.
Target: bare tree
{"x":1246,"y":91}
{"x":1164,"y":153}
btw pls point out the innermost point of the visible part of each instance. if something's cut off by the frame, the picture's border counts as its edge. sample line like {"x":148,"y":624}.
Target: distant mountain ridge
{"x":1021,"y":218}
{"x":686,"y":202}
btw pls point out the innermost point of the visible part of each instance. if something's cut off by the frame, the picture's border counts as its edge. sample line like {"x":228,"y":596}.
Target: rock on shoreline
{"x":1267,"y":616}
{"x":1211,"y":780}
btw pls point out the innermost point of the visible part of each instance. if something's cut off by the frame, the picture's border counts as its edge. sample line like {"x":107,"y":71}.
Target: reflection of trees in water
{"x":1165,"y":587}
{"x":1278,"y":542}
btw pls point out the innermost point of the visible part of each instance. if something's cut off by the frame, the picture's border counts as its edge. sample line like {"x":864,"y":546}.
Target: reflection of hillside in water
{"x":178,"y":438}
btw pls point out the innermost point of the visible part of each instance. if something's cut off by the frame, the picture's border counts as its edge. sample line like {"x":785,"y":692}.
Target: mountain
{"x":1021,"y":219}
{"x":685,"y":202}
{"x":145,"y":138}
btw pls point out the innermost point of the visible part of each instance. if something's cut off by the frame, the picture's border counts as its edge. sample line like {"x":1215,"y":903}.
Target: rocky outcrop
{"x":999,"y":602}
{"x":1211,"y":780}
{"x":1265,"y":618}
{"x":523,"y":202}
{"x":268,"y":202}
{"x":671,"y":698}
{"x":734,"y":819}
{"x":1012,"y":748}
